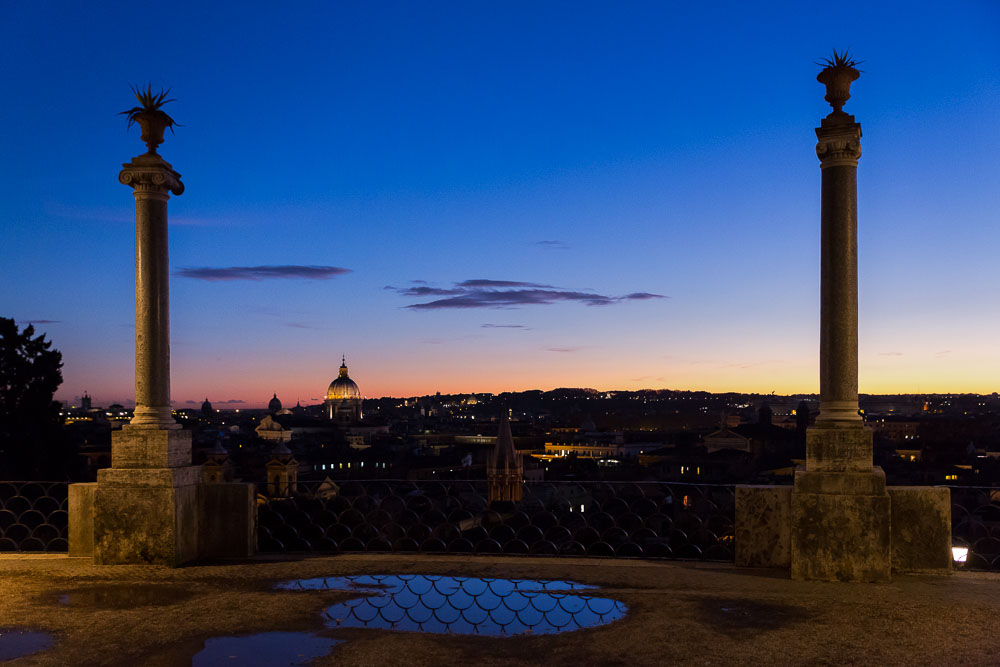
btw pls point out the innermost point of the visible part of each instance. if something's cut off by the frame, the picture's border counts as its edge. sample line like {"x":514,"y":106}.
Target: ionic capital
{"x":839,"y":145}
{"x":151,"y":175}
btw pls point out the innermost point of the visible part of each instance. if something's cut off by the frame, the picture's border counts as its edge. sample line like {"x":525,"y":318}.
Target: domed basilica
{"x":343,"y":398}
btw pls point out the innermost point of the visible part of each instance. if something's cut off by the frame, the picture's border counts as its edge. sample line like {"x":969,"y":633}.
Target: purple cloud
{"x":262,"y":272}
{"x":552,"y":245}
{"x":504,"y":326}
{"x":482,"y":282}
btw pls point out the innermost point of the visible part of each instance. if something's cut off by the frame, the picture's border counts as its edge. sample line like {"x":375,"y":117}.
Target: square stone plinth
{"x":135,"y":447}
{"x":840,"y":537}
{"x":146,"y":515}
{"x":921,"y":529}
{"x":81,"y":519}
{"x":763,"y":516}
{"x":838,"y":449}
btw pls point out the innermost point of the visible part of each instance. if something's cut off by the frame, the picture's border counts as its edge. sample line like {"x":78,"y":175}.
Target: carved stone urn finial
{"x":153,"y":124}
{"x":837,"y":75}
{"x":151,"y":118}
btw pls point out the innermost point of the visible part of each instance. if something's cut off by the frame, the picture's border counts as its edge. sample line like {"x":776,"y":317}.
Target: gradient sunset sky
{"x":492,"y":196}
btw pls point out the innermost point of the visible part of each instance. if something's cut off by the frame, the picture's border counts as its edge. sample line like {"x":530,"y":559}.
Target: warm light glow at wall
{"x":959,"y":554}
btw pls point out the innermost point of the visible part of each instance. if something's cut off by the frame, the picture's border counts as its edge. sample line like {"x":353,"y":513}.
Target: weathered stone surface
{"x":871,"y":483}
{"x":763,"y":523}
{"x":228,"y":526}
{"x":152,"y":477}
{"x":146,"y":516}
{"x":838,"y":450}
{"x":81,"y":519}
{"x":840,"y":537}
{"x":135,"y":447}
{"x":921,"y":529}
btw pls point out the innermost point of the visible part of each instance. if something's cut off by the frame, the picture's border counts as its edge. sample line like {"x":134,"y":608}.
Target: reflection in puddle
{"x":16,"y":643}
{"x":463,"y":605}
{"x":264,"y":649}
{"x":123,"y":596}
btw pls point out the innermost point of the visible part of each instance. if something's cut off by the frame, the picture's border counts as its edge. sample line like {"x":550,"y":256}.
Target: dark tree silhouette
{"x":32,"y":443}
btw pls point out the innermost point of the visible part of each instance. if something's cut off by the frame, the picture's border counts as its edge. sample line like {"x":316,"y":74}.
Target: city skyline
{"x":499,"y":199}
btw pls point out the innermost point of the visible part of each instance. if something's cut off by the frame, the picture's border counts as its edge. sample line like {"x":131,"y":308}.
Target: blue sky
{"x":651,"y":148}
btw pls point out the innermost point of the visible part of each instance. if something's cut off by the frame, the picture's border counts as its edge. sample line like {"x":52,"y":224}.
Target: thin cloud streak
{"x":265,"y":272}
{"x":552,"y":245}
{"x":483,"y":293}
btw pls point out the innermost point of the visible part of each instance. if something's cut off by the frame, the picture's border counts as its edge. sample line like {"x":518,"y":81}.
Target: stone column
{"x":146,"y":505}
{"x":840,"y":507}
{"x":152,"y":439}
{"x":152,"y":180}
{"x":838,"y":149}
{"x":152,"y":505}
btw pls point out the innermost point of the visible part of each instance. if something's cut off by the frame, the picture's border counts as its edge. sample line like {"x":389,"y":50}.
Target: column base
{"x":160,"y":516}
{"x":154,"y":417}
{"x":137,"y":446}
{"x":146,"y":515}
{"x":839,"y":449}
{"x":841,"y":525}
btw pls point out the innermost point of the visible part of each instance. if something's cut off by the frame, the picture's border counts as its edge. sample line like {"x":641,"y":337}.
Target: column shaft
{"x":152,"y":310}
{"x":838,"y":149}
{"x":839,"y":296}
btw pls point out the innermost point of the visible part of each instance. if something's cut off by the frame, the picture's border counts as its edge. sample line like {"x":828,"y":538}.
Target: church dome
{"x":274,"y":404}
{"x":343,"y":387}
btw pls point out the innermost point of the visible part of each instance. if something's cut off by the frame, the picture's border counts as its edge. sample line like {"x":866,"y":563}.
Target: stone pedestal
{"x":137,"y":447}
{"x":147,"y":516}
{"x":840,"y":510}
{"x":919,"y":527}
{"x":149,"y":507}
{"x":763,"y":519}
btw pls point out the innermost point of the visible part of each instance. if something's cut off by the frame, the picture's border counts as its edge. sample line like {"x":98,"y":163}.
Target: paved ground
{"x":678,"y":614}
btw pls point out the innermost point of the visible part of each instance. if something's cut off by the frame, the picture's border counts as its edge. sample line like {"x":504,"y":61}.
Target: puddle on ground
{"x":123,"y":596}
{"x":463,"y":605}
{"x":264,"y":649}
{"x":16,"y":643}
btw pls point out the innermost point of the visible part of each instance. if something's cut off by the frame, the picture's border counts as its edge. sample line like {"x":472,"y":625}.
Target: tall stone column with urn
{"x":151,"y":506}
{"x":840,"y":506}
{"x":840,"y":522}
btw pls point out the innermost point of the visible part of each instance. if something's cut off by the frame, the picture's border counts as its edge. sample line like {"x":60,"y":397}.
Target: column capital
{"x":839,"y":142}
{"x":151,"y":175}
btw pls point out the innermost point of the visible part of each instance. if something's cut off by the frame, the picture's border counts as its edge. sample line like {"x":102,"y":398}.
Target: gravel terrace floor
{"x":678,"y":613}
